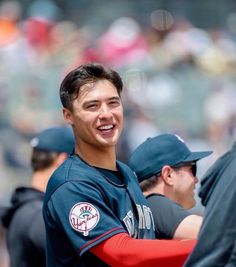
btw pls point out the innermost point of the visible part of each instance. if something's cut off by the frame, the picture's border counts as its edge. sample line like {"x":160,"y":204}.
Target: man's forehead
{"x":97,"y":91}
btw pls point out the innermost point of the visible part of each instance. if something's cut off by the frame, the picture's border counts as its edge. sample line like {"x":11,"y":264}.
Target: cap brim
{"x":194,"y":156}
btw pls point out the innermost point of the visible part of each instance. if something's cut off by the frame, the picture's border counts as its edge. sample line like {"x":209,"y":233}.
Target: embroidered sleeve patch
{"x":83,"y":217}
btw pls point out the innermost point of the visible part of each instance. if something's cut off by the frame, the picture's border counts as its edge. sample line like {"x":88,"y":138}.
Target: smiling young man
{"x":94,"y":211}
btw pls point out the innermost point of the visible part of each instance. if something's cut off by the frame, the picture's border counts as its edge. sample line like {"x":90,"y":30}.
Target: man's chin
{"x":107,"y":142}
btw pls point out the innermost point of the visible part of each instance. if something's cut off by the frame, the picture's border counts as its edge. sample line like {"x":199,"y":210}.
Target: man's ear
{"x":68,"y":116}
{"x":167,"y":175}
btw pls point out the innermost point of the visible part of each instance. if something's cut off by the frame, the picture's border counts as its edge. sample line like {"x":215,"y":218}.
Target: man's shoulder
{"x":159,"y":200}
{"x":159,"y":197}
{"x":72,"y":170}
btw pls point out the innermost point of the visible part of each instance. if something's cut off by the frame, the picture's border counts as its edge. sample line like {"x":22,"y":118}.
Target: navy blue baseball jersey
{"x":84,"y":207}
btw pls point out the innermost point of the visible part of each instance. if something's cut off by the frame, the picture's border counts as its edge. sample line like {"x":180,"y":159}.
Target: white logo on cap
{"x":83,"y":217}
{"x":34,"y":142}
{"x":180,"y":139}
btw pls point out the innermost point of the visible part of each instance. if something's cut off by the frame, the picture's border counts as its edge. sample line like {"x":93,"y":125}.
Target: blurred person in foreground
{"x":216,"y":245}
{"x":166,"y":170}
{"x":23,"y":219}
{"x":94,"y":210}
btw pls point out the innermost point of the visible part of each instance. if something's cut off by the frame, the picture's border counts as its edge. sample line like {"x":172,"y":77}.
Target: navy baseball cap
{"x":56,"y":139}
{"x":166,"y":149}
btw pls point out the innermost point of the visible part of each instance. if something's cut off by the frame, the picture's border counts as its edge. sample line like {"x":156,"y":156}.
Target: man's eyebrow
{"x":91,"y":102}
{"x":114,"y":98}
{"x":97,"y":101}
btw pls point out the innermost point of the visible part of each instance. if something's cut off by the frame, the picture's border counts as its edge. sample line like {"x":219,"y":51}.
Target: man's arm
{"x":121,"y":250}
{"x":188,"y":227}
{"x":171,"y":220}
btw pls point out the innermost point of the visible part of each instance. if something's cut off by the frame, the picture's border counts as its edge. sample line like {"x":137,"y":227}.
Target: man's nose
{"x":104,"y":111}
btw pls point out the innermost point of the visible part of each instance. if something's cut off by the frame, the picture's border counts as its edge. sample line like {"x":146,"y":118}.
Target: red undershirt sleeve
{"x":121,"y":250}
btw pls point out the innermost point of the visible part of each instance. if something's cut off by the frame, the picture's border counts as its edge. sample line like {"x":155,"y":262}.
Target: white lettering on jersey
{"x":145,"y":217}
{"x":148,"y":218}
{"x":141,"y":218}
{"x":145,"y":220}
{"x":129,"y":222}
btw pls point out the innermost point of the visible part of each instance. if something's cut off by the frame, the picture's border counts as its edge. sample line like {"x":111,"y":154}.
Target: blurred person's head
{"x":42,"y":16}
{"x":165,"y":165}
{"x":50,"y":148}
{"x":123,"y":43}
{"x":10,"y":10}
{"x":10,"y":14}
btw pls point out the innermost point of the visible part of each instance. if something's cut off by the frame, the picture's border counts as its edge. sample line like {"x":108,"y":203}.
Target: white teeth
{"x":106,"y":127}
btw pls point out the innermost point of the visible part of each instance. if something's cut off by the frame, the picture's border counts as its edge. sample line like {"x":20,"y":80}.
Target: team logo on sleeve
{"x":84,"y":217}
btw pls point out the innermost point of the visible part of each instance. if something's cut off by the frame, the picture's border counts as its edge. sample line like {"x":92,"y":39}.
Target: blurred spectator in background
{"x":23,"y":219}
{"x":10,"y":13}
{"x":139,"y":128}
{"x":123,"y":44}
{"x":38,"y":28}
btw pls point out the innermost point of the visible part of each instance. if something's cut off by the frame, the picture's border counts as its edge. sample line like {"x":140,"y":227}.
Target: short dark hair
{"x":41,"y":160}
{"x":148,"y":183}
{"x":84,"y":74}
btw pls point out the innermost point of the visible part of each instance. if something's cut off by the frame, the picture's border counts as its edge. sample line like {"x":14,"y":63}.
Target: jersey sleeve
{"x":121,"y":250}
{"x":167,"y":215}
{"x":81,"y":210}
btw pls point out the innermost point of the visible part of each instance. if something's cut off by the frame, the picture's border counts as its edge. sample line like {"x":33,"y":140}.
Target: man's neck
{"x":162,"y":190}
{"x":103,"y":158}
{"x":40,"y":179}
{"x":155,"y":190}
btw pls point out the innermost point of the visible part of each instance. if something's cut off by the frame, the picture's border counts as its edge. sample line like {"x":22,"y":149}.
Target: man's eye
{"x":114,"y":103}
{"x":91,"y":106}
